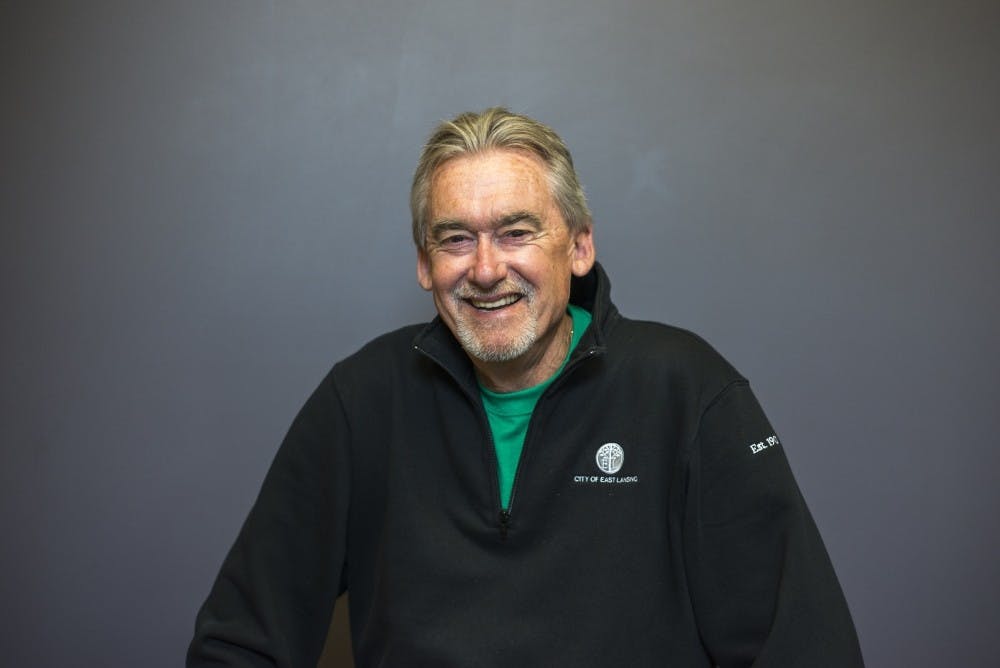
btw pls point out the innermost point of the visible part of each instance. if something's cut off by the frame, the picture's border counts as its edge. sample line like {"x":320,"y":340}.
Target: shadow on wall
{"x":337,"y":651}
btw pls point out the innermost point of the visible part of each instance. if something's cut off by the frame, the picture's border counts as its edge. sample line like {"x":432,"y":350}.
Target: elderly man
{"x":531,"y":479}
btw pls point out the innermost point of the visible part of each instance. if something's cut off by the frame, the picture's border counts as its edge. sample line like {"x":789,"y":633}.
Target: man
{"x":531,"y":479}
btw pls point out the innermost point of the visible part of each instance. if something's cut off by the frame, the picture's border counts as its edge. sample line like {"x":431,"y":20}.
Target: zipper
{"x":570,"y":366}
{"x":504,"y":517}
{"x":503,"y":514}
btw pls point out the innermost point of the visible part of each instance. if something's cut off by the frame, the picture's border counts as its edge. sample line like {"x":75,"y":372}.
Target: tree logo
{"x":610,"y":457}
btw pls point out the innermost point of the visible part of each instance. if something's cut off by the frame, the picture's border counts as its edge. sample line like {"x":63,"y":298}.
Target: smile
{"x":499,"y":303}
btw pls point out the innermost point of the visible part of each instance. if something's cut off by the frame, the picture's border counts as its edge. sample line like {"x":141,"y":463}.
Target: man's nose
{"x":490,"y":266}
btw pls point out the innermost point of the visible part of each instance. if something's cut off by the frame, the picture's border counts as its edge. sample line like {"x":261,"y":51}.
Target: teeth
{"x":499,"y":303}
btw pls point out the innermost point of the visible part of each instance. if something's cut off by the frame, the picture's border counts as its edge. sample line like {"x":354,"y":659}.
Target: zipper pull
{"x":504,"y":524}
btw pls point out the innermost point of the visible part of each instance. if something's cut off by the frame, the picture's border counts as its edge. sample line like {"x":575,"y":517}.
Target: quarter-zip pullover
{"x":654,"y":520}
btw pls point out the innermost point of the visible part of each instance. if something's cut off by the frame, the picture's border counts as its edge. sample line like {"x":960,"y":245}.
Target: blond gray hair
{"x":495,"y":128}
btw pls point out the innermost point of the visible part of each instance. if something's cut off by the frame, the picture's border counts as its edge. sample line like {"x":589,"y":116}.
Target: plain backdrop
{"x":204,"y":206}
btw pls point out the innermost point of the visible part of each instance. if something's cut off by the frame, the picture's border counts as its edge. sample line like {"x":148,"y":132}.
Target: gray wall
{"x":203,"y":206}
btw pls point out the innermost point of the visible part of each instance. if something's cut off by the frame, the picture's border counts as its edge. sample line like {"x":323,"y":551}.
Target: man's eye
{"x":516,"y":234}
{"x":455,"y":240}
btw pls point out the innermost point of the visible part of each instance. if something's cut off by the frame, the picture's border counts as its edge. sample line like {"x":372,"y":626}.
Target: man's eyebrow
{"x":447,"y":225}
{"x":519,"y":217}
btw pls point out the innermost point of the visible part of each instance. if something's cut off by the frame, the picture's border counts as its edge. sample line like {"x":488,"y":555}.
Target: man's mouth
{"x":494,"y":304}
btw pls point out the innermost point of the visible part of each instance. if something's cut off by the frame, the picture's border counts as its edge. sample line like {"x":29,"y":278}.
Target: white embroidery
{"x":610,"y":458}
{"x":768,"y":442}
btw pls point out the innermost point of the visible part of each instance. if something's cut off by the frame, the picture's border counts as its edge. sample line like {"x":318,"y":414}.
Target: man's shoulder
{"x":383,"y":364}
{"x":384,"y":350}
{"x":660,"y":334}
{"x":669,"y":347}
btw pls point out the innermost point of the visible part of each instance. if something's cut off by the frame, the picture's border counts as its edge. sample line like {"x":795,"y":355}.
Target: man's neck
{"x":528,"y":370}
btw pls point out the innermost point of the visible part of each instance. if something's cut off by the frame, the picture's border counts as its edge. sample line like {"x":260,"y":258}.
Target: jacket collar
{"x":591,"y":292}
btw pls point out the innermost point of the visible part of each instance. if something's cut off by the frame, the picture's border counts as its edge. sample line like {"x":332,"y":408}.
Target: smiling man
{"x":531,"y":479}
{"x":498,"y":257}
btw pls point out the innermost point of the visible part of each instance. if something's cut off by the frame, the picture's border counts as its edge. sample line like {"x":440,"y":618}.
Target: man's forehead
{"x":492,"y":184}
{"x":492,"y":165}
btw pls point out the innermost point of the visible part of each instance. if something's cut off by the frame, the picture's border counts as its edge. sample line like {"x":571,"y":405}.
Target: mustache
{"x":510,"y":285}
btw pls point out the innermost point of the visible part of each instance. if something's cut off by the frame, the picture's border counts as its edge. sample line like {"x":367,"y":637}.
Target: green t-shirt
{"x":510,"y":412}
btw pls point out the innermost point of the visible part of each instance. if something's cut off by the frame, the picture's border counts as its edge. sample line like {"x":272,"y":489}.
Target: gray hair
{"x":497,"y":128}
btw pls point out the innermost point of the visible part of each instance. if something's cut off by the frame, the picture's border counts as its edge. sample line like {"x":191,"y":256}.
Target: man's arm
{"x":272,"y":600}
{"x":763,"y":588}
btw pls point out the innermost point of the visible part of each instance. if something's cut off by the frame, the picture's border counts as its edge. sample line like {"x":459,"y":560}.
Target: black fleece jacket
{"x":697,"y":551}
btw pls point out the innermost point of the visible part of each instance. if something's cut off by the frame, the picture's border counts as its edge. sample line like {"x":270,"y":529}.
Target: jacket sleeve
{"x":763,"y":588}
{"x":273,"y":598}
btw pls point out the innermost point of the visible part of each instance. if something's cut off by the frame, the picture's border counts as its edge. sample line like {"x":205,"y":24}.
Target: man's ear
{"x":583,"y":253}
{"x":423,"y":269}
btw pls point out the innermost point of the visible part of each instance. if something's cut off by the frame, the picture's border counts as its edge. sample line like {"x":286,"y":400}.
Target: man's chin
{"x":494,"y":355}
{"x":493,"y":351}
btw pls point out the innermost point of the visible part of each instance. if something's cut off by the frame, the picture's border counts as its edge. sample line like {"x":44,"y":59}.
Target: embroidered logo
{"x":610,"y":458}
{"x":768,"y":442}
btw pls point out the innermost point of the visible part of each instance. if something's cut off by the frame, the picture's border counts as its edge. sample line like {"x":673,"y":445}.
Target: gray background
{"x":204,"y":206}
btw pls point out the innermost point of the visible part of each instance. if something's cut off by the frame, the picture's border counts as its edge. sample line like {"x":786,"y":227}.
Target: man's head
{"x":494,"y":245}
{"x":496,"y":128}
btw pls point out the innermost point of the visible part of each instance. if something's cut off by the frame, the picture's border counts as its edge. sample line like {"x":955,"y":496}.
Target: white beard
{"x":478,"y":343}
{"x":491,"y":351}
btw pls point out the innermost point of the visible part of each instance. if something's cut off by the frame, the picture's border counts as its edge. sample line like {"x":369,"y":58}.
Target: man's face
{"x":499,"y":255}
